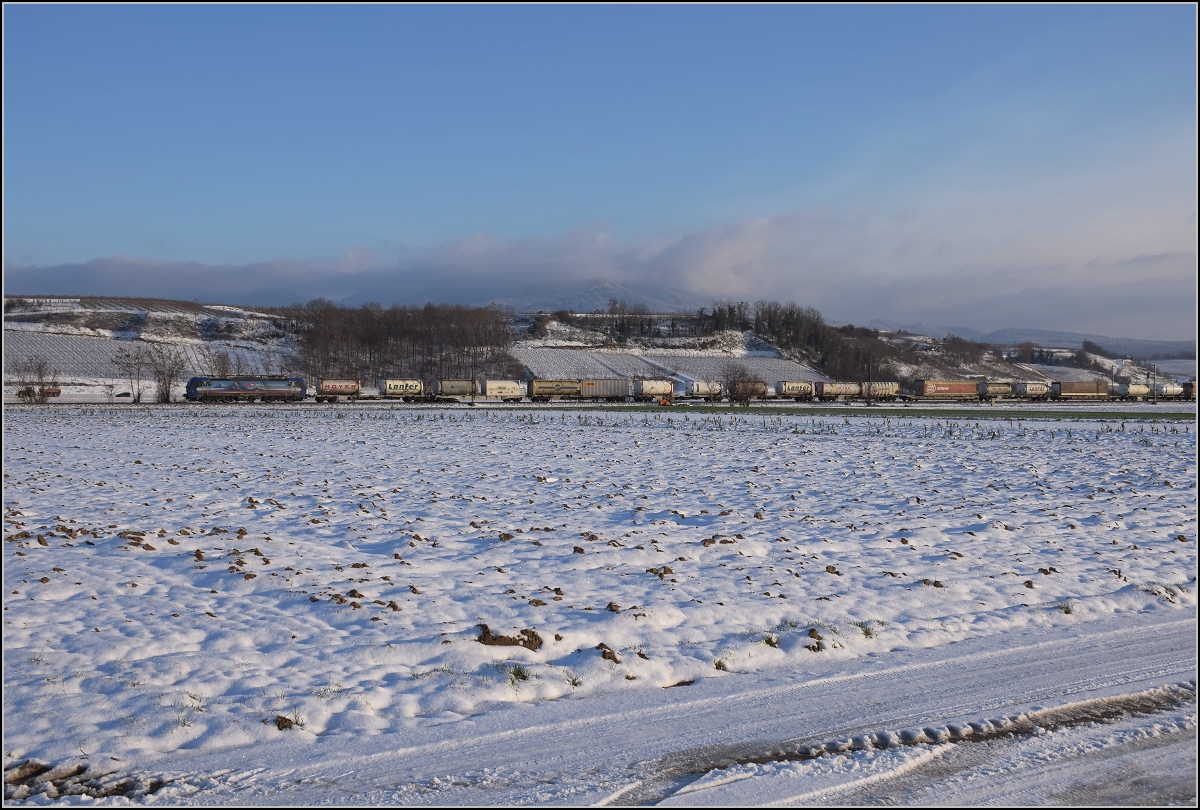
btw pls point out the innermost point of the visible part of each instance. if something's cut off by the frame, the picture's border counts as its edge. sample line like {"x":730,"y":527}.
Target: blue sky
{"x":971,"y":164}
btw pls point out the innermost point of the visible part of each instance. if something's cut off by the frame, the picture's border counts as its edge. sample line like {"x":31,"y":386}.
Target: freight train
{"x":662,"y":391}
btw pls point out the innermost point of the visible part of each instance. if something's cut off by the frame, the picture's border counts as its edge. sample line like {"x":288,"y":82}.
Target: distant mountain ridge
{"x":1124,"y":347}
{"x":584,"y":296}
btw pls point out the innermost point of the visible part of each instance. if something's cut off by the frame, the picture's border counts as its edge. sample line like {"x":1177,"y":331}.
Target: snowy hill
{"x":80,"y":337}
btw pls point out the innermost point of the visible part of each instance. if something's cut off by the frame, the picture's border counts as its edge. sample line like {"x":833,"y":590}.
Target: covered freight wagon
{"x":796,"y":389}
{"x":338,"y":390}
{"x":942,"y":389}
{"x":506,"y":390}
{"x":616,"y":389}
{"x":407,"y":390}
{"x":1092,"y":389}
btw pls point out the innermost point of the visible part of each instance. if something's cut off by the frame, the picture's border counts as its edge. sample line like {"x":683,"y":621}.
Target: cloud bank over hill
{"x":851,"y":270}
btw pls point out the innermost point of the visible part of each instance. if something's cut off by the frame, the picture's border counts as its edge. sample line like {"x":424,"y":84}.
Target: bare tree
{"x":219,"y":364}
{"x":167,"y":365}
{"x":240,"y":366}
{"x":35,"y":379}
{"x":132,"y":361}
{"x":740,"y":383}
{"x":109,"y":386}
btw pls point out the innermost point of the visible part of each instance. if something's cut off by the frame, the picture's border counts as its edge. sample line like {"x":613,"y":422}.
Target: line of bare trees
{"x":156,"y":363}
{"x":35,"y":380}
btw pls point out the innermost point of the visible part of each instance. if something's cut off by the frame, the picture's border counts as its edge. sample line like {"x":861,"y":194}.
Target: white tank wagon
{"x":1168,"y":390}
{"x":1031,"y":390}
{"x":708,"y":390}
{"x":340,"y":390}
{"x":504,"y":390}
{"x":798,"y":390}
{"x":1129,"y":391}
{"x":649,"y":390}
{"x":407,"y":390}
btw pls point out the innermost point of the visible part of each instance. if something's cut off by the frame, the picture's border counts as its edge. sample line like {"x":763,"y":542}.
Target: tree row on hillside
{"x":436,"y":341}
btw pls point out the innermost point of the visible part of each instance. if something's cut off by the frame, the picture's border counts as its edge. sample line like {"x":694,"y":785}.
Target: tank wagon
{"x":993,"y":389}
{"x":1168,"y":390}
{"x":407,"y":390}
{"x":798,"y":390}
{"x":546,"y":390}
{"x":653,"y":390}
{"x":339,"y":390}
{"x":708,"y":390}
{"x":246,"y":389}
{"x":880,"y":390}
{"x":455,"y":388}
{"x":827,"y":391}
{"x":1031,"y":390}
{"x":1133,"y":391}
{"x":504,"y":390}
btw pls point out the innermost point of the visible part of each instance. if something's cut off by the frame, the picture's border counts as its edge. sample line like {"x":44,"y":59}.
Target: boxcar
{"x":616,"y":389}
{"x":943,"y":389}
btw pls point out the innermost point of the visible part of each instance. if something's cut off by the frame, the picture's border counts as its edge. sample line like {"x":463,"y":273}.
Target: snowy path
{"x":655,"y":747}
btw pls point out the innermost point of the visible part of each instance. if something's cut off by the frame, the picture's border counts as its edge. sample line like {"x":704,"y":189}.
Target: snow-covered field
{"x":286,"y":604}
